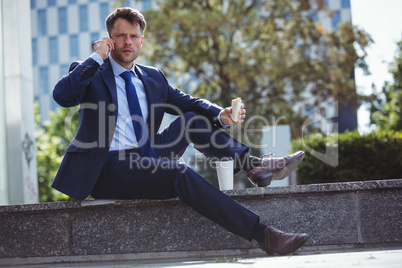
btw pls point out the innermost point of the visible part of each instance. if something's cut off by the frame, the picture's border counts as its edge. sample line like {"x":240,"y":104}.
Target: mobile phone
{"x":108,"y":36}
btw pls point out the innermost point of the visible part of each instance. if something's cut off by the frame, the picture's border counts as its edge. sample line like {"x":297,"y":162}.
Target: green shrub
{"x":51,"y":142}
{"x":374,"y":156}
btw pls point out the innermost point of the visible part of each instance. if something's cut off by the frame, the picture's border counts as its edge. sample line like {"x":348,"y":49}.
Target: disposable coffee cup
{"x":224,"y":169}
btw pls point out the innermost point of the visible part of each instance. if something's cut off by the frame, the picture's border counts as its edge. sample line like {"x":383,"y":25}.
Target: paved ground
{"x":378,"y":258}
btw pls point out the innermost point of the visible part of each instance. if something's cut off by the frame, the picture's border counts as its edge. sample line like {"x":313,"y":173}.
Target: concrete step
{"x":337,"y":216}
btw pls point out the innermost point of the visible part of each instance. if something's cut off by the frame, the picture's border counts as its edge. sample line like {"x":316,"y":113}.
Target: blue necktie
{"x":140,"y":128}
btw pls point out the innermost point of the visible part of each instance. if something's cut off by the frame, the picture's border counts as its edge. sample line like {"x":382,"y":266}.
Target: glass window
{"x":64,"y":69}
{"x":104,"y":12}
{"x":93,"y":0}
{"x":42,"y":22}
{"x":74,"y":49}
{"x":33,"y":4}
{"x":53,"y":50}
{"x":345,"y":4}
{"x":146,"y":4}
{"x":51,"y":3}
{"x":34,"y":51}
{"x":72,"y":1}
{"x":94,"y":37}
{"x":62,"y":20}
{"x":336,"y":18}
{"x":83,"y":11}
{"x":44,"y":80}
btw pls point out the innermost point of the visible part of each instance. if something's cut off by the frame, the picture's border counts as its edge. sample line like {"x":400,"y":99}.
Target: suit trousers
{"x":126,"y":175}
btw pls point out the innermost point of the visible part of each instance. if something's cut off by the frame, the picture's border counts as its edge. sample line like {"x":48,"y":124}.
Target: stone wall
{"x":338,"y":215}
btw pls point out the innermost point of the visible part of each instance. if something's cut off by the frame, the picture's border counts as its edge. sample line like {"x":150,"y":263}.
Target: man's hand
{"x":226,"y":117}
{"x":103,"y":46}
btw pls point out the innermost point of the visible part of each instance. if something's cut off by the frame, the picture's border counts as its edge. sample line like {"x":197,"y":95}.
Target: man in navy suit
{"x":113,"y":157}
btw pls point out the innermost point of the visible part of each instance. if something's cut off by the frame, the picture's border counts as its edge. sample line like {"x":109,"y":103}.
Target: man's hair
{"x":127,"y":13}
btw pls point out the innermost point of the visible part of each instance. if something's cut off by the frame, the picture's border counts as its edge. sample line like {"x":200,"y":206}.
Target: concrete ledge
{"x":338,"y":215}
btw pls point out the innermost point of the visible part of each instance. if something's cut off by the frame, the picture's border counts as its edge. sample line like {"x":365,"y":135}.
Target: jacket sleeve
{"x":70,"y":90}
{"x":187,"y":103}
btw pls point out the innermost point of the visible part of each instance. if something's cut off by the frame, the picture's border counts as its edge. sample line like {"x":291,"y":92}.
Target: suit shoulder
{"x":74,"y":64}
{"x":151,"y":71}
{"x":148,"y":69}
{"x":89,"y":61}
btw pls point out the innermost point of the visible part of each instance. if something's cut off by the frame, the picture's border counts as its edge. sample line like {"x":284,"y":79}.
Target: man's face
{"x":128,"y":42}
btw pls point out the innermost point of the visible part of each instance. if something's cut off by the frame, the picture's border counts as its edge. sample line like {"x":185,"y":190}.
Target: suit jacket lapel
{"x":106,"y":72}
{"x":149,"y":85}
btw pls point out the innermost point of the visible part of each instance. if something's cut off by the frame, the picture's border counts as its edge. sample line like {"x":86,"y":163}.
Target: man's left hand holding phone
{"x":103,"y":46}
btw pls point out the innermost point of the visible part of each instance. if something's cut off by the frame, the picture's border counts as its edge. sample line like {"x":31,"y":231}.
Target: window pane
{"x":94,"y":37}
{"x":33,"y":4}
{"x":34,"y":51}
{"x":336,"y":18}
{"x":51,"y":3}
{"x":345,"y":3}
{"x":42,"y":22}
{"x":72,"y":1}
{"x":104,"y":12}
{"x":62,"y":20}
{"x":44,"y":80}
{"x":63,"y":70}
{"x":74,"y":52}
{"x":53,"y":50}
{"x":146,"y":4}
{"x":83,"y":18}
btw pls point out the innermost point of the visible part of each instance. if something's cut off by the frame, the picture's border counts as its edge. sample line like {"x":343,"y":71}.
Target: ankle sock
{"x":259,"y":232}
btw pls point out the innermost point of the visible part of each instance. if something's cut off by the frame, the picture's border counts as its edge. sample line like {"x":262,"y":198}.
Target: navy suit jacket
{"x":93,"y":87}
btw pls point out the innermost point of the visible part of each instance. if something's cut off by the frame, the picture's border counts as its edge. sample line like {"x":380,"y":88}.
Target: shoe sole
{"x":266,"y":179}
{"x":295,"y":247}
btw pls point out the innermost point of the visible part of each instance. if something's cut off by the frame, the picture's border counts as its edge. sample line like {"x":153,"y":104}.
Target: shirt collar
{"x":118,"y":69}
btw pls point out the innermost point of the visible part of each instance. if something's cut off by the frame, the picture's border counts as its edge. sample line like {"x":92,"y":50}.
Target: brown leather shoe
{"x":281,"y":243}
{"x":274,"y":168}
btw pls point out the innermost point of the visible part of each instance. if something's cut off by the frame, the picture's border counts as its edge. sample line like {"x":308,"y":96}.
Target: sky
{"x":382,"y":19}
